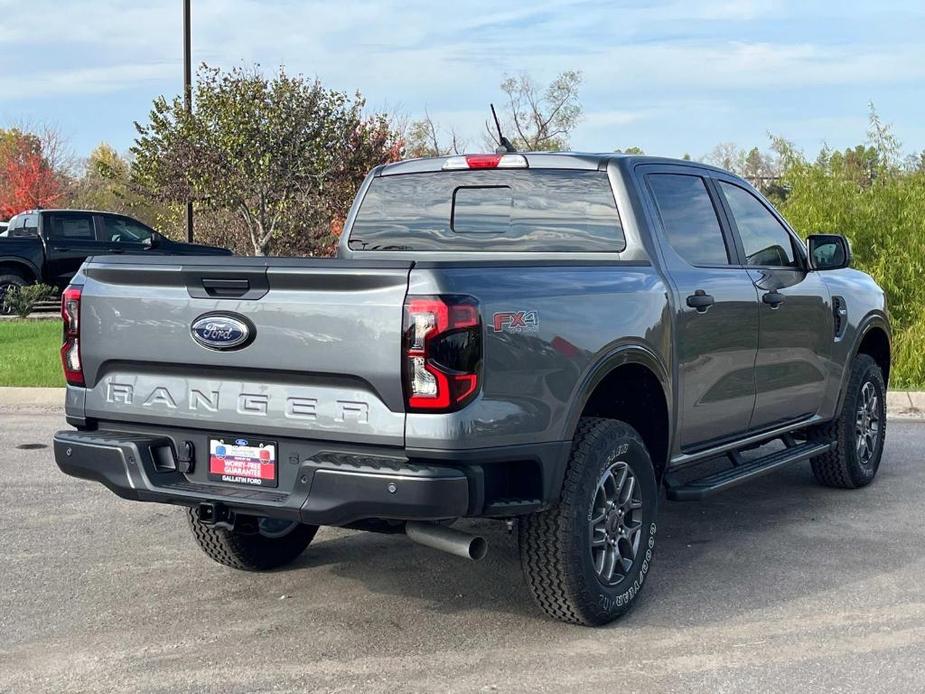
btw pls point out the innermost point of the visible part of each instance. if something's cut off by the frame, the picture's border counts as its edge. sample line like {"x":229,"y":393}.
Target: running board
{"x":724,"y":479}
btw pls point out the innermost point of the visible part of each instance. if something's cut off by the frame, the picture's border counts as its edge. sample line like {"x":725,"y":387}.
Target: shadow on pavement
{"x":773,"y":540}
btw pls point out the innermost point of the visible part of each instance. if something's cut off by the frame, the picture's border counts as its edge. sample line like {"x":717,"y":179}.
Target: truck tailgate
{"x":324,"y":361}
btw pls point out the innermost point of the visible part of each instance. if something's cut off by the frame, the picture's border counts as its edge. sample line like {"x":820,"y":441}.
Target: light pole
{"x":187,"y":98}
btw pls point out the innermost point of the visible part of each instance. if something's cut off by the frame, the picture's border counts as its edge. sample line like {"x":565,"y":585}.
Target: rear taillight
{"x":442,"y":352}
{"x":70,"y":350}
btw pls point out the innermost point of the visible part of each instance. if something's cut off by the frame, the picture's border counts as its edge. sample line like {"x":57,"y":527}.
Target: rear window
{"x":534,"y":210}
{"x":70,"y":226}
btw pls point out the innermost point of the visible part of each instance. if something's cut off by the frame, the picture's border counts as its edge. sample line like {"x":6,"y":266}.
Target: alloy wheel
{"x":615,"y":524}
{"x":867,"y":430}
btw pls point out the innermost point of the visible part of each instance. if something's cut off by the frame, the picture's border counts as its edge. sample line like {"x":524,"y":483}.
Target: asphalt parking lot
{"x":777,"y":586}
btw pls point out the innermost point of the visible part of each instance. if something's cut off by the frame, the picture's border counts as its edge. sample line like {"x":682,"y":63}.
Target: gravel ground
{"x":780,"y":585}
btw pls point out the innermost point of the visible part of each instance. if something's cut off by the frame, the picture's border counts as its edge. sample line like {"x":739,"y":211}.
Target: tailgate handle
{"x":232,"y":288}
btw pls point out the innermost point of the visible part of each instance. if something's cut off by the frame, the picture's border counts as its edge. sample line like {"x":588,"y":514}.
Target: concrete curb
{"x":33,"y":316}
{"x":29,"y":400}
{"x":900,"y":404}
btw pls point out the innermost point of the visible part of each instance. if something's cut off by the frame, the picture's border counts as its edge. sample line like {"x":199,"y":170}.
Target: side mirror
{"x":828,"y":251}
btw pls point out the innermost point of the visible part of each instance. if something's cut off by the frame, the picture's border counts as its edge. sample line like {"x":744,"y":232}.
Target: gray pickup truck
{"x":546,"y":339}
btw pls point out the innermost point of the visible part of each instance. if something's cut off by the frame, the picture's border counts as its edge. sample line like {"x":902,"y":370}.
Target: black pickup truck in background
{"x":50,"y":245}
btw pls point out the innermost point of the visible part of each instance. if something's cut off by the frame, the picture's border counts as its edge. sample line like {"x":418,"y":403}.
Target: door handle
{"x":116,"y":250}
{"x":773,"y":299}
{"x":700,"y":300}
{"x":227,"y":288}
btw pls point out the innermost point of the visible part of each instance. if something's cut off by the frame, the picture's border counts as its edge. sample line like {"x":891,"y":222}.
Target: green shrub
{"x":882,"y":212}
{"x":22,"y":300}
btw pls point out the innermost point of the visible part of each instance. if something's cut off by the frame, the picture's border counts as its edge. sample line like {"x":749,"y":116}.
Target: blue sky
{"x":671,"y":77}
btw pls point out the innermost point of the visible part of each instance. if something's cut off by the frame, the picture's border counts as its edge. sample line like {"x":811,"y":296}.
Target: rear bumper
{"x":325,"y":492}
{"x":320,"y":484}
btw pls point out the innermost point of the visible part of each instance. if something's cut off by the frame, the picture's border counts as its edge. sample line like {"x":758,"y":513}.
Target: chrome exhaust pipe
{"x":447,"y":539}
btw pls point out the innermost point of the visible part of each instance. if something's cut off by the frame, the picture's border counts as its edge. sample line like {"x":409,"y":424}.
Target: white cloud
{"x":636,"y":57}
{"x":95,"y":80}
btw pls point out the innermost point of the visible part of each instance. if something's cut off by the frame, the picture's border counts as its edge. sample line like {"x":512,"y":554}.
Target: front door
{"x":715,"y":304}
{"x":795,"y":320}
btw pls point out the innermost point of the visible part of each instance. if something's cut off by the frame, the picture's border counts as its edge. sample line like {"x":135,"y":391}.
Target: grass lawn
{"x":29,"y":353}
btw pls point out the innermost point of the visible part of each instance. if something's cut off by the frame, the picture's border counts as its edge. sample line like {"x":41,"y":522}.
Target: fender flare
{"x":631,"y":353}
{"x":870,"y":321}
{"x":25,"y":263}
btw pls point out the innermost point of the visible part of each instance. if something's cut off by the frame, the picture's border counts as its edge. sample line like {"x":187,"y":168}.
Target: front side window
{"x":689,"y":218}
{"x":125,"y":230}
{"x":765,"y":240}
{"x":70,"y":226}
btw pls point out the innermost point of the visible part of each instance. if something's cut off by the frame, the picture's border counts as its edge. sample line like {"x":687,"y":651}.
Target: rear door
{"x":322,"y":359}
{"x":70,"y":237}
{"x":796,"y":319}
{"x":716,"y":309}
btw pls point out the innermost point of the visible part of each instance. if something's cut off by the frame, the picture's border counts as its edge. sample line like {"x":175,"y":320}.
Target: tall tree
{"x":539,"y":118}
{"x":726,"y":155}
{"x":424,"y":138}
{"x":282,"y":153}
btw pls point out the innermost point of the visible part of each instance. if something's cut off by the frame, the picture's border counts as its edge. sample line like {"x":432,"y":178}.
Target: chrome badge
{"x":222,"y":331}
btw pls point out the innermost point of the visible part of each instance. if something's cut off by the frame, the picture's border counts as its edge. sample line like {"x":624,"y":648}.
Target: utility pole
{"x":187,"y":98}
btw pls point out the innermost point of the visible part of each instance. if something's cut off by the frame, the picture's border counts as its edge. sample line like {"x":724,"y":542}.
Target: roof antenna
{"x":505,"y":144}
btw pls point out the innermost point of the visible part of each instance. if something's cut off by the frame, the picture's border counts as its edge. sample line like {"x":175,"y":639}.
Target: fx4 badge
{"x":515,"y":322}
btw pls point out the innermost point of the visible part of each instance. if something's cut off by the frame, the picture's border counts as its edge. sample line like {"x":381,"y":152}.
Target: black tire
{"x":559,"y":562}
{"x":847,"y":465}
{"x":9,"y":279}
{"x":251,"y":551}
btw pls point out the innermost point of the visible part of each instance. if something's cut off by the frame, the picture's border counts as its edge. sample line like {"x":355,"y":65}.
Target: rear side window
{"x":532,"y":210}
{"x":70,"y":225}
{"x":689,"y":218}
{"x":27,"y":227}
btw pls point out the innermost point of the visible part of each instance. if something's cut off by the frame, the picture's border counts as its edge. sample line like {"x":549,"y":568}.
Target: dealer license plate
{"x":243,"y":460}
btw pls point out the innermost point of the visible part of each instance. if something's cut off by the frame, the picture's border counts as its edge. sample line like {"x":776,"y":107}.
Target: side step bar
{"x":742,"y":472}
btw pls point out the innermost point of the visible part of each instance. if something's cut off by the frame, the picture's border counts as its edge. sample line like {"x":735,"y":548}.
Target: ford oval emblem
{"x":222,"y":331}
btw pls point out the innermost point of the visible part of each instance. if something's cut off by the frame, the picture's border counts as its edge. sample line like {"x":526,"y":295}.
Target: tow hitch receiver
{"x":220,"y":516}
{"x":217,"y":515}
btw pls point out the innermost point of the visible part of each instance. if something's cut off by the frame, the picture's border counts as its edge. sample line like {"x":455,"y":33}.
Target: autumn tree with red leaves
{"x":28,"y":178}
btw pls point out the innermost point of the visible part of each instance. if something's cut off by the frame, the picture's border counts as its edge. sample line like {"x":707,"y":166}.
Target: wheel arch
{"x":631,"y":384}
{"x":19,"y":266}
{"x":873,"y":338}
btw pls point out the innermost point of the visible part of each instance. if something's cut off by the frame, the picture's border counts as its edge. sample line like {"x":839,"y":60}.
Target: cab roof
{"x":540,"y":160}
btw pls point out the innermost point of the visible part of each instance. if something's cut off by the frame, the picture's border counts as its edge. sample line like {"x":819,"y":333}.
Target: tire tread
{"x":250,"y":552}
{"x":832,"y":468}
{"x":544,"y":536}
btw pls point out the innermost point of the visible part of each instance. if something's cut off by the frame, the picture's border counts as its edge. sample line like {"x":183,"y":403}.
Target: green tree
{"x":105,"y":184}
{"x":537,"y":118}
{"x":283,"y":154}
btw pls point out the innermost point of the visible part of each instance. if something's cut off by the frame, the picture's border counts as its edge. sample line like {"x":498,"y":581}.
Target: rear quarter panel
{"x":534,"y":377}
